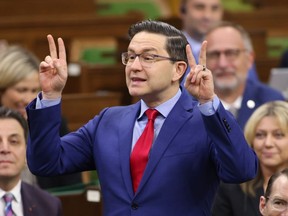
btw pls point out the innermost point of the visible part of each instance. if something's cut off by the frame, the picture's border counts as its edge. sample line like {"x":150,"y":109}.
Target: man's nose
{"x":223,"y":61}
{"x":4,"y":147}
{"x":136,"y":64}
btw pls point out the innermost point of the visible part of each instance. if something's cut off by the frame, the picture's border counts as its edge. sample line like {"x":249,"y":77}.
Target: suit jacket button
{"x":134,"y":206}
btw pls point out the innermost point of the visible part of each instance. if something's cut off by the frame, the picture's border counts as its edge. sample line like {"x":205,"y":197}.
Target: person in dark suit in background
{"x":229,"y":56}
{"x":19,"y":84}
{"x":196,"y":143}
{"x":26,"y":199}
{"x":266,"y":132}
{"x":284,"y":60}
{"x":275,"y":200}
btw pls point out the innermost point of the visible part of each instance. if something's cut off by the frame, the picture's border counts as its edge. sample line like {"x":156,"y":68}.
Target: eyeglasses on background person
{"x":277,"y":203}
{"x":230,"y":54}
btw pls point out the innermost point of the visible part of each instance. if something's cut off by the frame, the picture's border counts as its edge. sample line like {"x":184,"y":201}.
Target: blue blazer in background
{"x":255,"y":95}
{"x":190,"y":156}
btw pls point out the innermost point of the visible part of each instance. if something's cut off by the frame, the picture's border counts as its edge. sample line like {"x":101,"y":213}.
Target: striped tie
{"x":8,"y":197}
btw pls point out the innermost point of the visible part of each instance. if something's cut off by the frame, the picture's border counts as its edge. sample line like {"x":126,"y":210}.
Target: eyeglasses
{"x":278,"y":204}
{"x":146,"y":59}
{"x":230,"y":54}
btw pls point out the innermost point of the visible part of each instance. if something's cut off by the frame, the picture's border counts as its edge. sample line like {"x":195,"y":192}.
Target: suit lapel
{"x":125,"y":139}
{"x":28,"y":204}
{"x":181,"y":112}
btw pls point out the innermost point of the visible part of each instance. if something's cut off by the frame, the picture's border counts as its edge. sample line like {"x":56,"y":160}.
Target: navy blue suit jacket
{"x":38,"y":202}
{"x":258,"y":93}
{"x":190,"y":156}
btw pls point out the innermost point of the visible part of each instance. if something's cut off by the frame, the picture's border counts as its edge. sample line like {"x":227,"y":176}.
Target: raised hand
{"x":199,"y":81}
{"x":53,"y":70}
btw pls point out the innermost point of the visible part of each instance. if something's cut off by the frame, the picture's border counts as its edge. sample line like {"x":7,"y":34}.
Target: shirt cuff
{"x":210,"y":107}
{"x":42,"y":103}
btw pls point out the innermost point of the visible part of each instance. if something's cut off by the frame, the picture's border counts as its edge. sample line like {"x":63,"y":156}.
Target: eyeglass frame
{"x":275,"y":208}
{"x":232,"y":57}
{"x":141,"y":61}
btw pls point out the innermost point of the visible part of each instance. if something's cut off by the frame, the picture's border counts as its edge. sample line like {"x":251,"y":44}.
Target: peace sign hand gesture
{"x":199,"y":81}
{"x":53,"y":70}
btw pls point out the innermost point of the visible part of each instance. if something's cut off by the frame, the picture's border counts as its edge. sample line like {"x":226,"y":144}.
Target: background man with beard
{"x":198,"y":17}
{"x":230,"y":56}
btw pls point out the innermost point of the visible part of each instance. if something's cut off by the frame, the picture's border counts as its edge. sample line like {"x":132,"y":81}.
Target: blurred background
{"x":95,"y":34}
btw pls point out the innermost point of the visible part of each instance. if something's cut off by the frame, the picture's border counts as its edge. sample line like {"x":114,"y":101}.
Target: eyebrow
{"x":15,"y":135}
{"x":144,"y":50}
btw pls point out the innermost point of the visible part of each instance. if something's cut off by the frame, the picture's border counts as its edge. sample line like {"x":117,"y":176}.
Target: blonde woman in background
{"x":19,"y":85}
{"x":267,"y":133}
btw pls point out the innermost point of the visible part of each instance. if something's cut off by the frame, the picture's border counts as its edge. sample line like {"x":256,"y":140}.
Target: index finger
{"x":62,"y":51}
{"x":190,"y":57}
{"x":52,"y":46}
{"x":202,"y":54}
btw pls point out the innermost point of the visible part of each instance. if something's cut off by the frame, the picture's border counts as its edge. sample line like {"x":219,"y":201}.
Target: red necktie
{"x":139,"y":156}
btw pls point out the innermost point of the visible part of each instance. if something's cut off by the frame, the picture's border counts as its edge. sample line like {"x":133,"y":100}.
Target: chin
{"x":227,"y":85}
{"x":135,"y":92}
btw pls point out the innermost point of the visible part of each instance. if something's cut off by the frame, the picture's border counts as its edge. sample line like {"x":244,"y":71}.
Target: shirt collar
{"x":16,"y":191}
{"x":236,"y":104}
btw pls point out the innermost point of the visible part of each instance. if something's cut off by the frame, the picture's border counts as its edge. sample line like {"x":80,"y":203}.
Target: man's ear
{"x":180,"y":68}
{"x":262,"y":205}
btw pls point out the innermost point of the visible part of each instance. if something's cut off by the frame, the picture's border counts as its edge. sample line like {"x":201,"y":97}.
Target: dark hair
{"x":273,"y":179}
{"x":6,"y":113}
{"x":176,"y":40}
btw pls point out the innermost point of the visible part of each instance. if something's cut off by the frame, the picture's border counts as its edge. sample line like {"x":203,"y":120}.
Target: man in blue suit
{"x":27,"y":200}
{"x":196,"y":143}
{"x":229,"y":56}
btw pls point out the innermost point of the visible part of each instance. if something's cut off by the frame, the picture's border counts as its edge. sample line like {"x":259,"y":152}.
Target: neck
{"x":154,"y":100}
{"x":229,"y":95}
{"x":195,"y":35}
{"x":267,"y":173}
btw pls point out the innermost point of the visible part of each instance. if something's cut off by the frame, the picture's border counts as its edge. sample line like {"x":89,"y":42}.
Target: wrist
{"x":51,"y":95}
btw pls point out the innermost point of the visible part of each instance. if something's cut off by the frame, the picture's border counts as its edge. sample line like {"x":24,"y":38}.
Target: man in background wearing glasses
{"x":229,"y":57}
{"x":275,"y":200}
{"x":187,"y":147}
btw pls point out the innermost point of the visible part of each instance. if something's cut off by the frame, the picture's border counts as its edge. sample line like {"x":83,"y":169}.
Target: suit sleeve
{"x":50,"y":155}
{"x":236,"y":162}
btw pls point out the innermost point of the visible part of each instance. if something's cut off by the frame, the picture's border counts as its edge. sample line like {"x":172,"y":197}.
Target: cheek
{"x":8,"y":99}
{"x":21,"y":156}
{"x":243,"y":66}
{"x":257,"y":146}
{"x":283,"y":149}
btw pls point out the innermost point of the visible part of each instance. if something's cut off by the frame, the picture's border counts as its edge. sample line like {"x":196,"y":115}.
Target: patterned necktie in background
{"x":140,"y":153}
{"x":8,"y":197}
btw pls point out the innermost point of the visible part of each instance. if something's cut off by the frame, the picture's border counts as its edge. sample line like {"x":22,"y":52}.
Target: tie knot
{"x":8,"y":197}
{"x":151,"y":114}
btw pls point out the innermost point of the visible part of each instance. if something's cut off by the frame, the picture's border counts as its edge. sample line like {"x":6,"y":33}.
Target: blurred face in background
{"x":18,"y":96}
{"x":277,"y":203}
{"x":228,"y":58}
{"x":271,"y":144}
{"x":199,"y":15}
{"x":12,"y":150}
